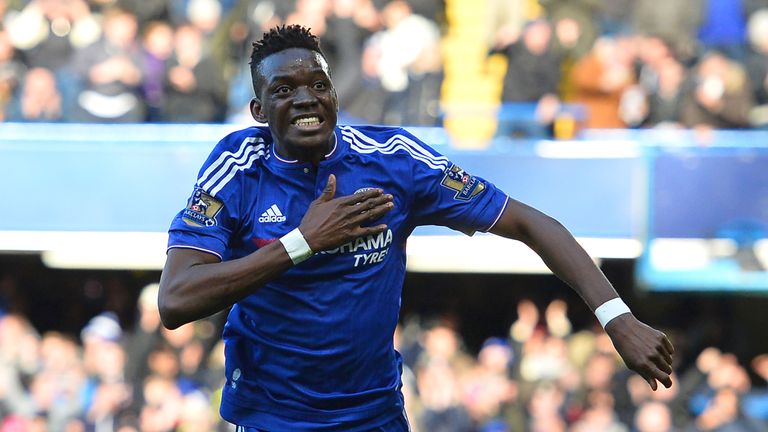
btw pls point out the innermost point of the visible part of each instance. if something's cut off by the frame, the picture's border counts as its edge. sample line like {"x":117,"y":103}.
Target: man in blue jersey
{"x":301,"y":227}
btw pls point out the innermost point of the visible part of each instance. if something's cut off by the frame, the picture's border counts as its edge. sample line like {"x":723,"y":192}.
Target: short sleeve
{"x":449,"y":196}
{"x":213,"y":211}
{"x":206,"y":223}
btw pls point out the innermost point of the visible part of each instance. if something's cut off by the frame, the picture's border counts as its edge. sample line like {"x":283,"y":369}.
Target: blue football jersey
{"x":314,"y":346}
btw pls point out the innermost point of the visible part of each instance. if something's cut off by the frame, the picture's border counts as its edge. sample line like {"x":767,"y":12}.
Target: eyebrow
{"x":289,"y":77}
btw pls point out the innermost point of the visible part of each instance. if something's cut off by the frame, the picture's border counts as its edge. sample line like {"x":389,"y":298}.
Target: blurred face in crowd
{"x":120,"y":28}
{"x":599,"y":372}
{"x":653,"y":417}
{"x":395,"y":12}
{"x":441,"y":342}
{"x":188,"y":43}
{"x":568,"y":32}
{"x":158,"y":39}
{"x":537,"y":36}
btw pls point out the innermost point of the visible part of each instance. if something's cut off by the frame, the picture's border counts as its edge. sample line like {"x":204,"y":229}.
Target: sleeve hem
{"x":195,"y":248}
{"x":504,"y":207}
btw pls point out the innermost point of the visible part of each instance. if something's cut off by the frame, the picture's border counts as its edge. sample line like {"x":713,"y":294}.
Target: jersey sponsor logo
{"x":367,"y":250}
{"x":201,"y":209}
{"x":273,"y":214}
{"x":466,"y":186}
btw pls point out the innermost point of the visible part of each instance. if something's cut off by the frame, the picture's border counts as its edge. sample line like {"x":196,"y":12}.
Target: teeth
{"x":307,"y":121}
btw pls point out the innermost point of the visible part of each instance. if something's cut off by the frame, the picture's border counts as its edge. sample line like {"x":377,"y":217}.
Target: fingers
{"x":330,"y":189}
{"x":668,"y":344}
{"x":667,"y":382}
{"x":373,"y":209}
{"x":360,"y":197}
{"x":657,"y":370}
{"x":652,"y":374}
{"x":666,"y":356}
{"x":373,"y":230}
{"x":652,"y":383}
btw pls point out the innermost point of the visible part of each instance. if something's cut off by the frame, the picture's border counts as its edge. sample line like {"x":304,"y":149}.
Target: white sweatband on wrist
{"x":610,"y":310}
{"x":296,"y":246}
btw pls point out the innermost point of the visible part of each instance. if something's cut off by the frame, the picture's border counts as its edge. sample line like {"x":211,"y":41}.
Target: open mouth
{"x":307,"y":121}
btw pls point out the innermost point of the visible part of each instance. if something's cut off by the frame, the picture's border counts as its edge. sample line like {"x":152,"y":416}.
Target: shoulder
{"x":237,"y":139}
{"x":392,"y":142}
{"x":240,"y":151}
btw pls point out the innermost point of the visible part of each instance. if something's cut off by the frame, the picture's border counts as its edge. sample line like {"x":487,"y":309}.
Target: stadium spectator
{"x":601,"y":78}
{"x":403,"y":50}
{"x":110,"y":69}
{"x":163,"y":404}
{"x":653,"y":417}
{"x":721,"y":96}
{"x":156,"y":50}
{"x":545,"y":407}
{"x":575,"y":23}
{"x":664,"y":101}
{"x":532,"y":77}
{"x":490,"y":395}
{"x":39,"y":99}
{"x":440,"y":396}
{"x":194,"y":89}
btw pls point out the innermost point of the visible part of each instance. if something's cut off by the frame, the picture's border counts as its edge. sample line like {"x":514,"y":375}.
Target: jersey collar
{"x":333,"y":155}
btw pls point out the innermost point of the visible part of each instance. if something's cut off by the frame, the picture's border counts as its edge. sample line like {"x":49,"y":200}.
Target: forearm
{"x":189,"y":292}
{"x":571,"y":263}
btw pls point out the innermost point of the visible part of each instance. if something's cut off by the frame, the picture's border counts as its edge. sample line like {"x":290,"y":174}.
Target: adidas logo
{"x":273,"y":214}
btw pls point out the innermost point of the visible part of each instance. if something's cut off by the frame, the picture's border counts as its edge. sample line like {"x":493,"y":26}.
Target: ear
{"x":256,"y":111}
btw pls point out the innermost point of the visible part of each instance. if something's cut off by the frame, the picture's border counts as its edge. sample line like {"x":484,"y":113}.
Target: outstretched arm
{"x":196,"y":284}
{"x":645,"y":350}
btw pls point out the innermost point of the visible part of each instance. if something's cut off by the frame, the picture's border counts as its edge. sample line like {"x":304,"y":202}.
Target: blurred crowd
{"x":543,"y":376}
{"x":623,"y":63}
{"x":699,"y":64}
{"x":187,"y":60}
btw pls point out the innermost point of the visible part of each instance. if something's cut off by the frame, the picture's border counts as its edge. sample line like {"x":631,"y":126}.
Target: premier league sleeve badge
{"x":202,"y":209}
{"x":465,"y":185}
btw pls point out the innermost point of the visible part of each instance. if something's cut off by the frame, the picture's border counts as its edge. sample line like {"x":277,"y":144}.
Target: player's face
{"x":298,"y":101}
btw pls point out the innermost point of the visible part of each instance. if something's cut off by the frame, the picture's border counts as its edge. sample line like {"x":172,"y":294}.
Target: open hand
{"x":330,"y":222}
{"x":644,"y":349}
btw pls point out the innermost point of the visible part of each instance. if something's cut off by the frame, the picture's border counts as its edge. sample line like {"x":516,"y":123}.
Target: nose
{"x":304,"y":96}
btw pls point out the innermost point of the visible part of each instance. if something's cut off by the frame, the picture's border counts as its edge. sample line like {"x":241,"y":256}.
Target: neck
{"x":311,"y":155}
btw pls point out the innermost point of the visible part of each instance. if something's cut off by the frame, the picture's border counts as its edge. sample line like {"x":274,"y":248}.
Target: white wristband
{"x":296,"y":246}
{"x":610,"y":310}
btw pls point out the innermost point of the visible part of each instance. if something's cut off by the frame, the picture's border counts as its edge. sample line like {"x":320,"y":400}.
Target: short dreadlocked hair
{"x":278,"y":39}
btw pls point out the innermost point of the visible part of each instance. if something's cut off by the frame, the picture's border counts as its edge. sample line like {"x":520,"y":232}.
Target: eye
{"x":283,"y":90}
{"x":319,"y":85}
